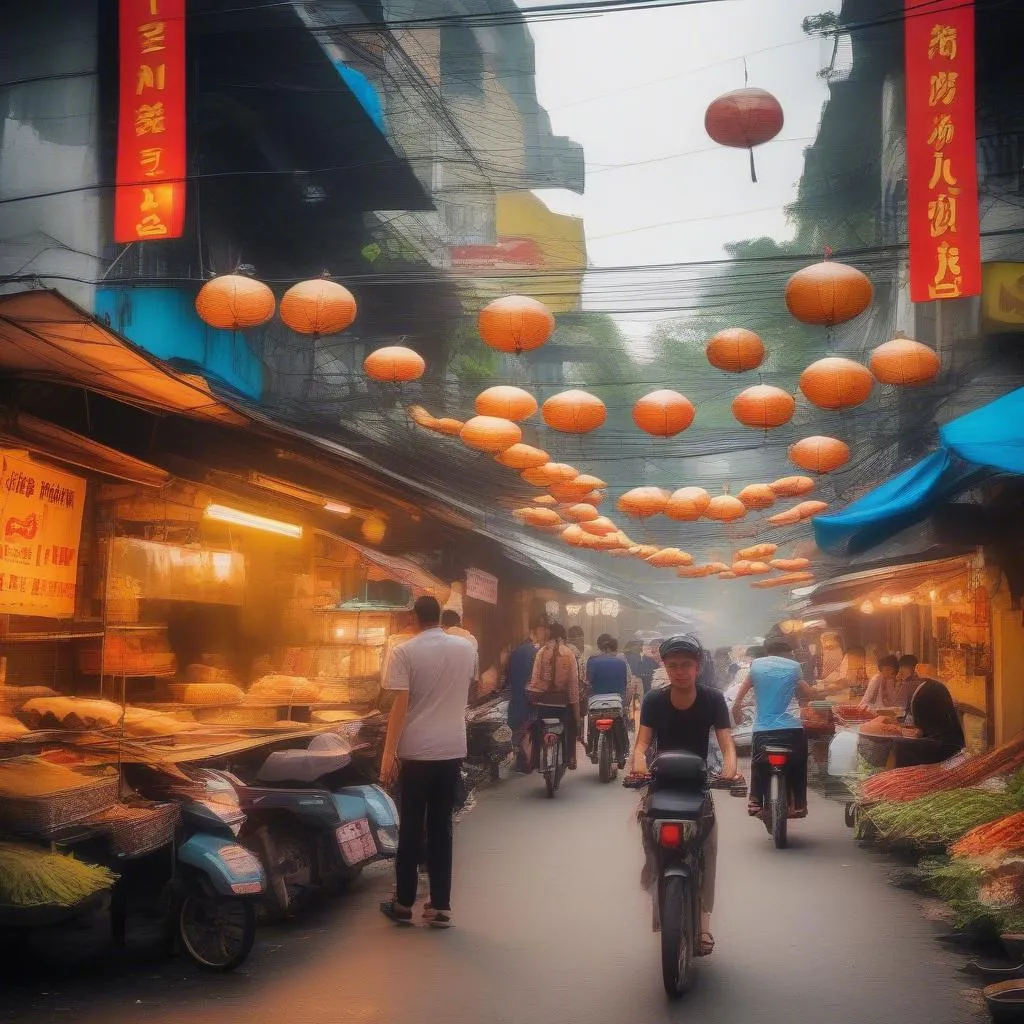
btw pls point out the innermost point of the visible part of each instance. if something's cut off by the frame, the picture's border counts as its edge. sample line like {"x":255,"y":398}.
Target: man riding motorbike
{"x":682,"y":716}
{"x":777,"y":682}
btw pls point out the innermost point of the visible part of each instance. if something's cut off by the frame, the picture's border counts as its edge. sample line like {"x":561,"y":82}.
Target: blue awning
{"x":988,"y":440}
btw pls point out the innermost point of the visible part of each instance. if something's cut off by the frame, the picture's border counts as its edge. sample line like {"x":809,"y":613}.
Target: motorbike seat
{"x":776,"y":749}
{"x":552,"y":722}
{"x":605,"y":702}
{"x":685,"y":805}
{"x":676,"y":769}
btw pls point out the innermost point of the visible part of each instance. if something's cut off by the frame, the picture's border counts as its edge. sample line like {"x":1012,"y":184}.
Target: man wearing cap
{"x":681,"y":716}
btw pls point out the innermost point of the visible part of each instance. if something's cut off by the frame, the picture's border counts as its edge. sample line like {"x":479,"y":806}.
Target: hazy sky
{"x":632,"y":87}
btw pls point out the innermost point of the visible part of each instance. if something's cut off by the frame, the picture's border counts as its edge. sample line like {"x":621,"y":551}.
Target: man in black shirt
{"x":681,"y":717}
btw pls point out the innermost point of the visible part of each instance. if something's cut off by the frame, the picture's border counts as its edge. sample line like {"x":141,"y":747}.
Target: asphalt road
{"x":552,"y":927}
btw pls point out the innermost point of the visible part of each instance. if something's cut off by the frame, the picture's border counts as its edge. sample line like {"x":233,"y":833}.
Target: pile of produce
{"x":941,"y":818}
{"x":997,"y":837}
{"x":853,"y":713}
{"x":32,"y":877}
{"x":903,"y":784}
{"x":70,"y":713}
{"x":288,"y":689}
{"x":983,"y":898}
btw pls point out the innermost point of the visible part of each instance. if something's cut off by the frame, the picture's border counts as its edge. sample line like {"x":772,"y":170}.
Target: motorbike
{"x":552,"y":756}
{"x":776,"y":811}
{"x":606,"y":729}
{"x":679,"y":816}
{"x":489,"y":739}
{"x":214,"y":883}
{"x":313,"y":821}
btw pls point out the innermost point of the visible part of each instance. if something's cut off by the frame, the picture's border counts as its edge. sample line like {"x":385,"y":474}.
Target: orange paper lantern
{"x":602,"y":526}
{"x":490,"y":434}
{"x":819,"y":454}
{"x":233,"y":302}
{"x":687,"y":504}
{"x":904,"y":362}
{"x":763,"y":406}
{"x":448,"y":426}
{"x":827,"y":293}
{"x":507,"y":402}
{"x":573,"y":535}
{"x":556,"y":473}
{"x":735,"y":350}
{"x":727,"y":575}
{"x":540,"y":516}
{"x":758,"y":551}
{"x":787,"y":580}
{"x":757,"y":496}
{"x":759,"y":568}
{"x":789,"y":517}
{"x":741,"y":567}
{"x":644,"y":551}
{"x":515,"y":323}
{"x":523,"y":456}
{"x":574,"y":412}
{"x":592,"y":498}
{"x":535,"y":477}
{"x":836,"y":383}
{"x":792,"y":486}
{"x":789,"y":564}
{"x":543,"y":499}
{"x":316,"y":307}
{"x":663,"y":413}
{"x":582,"y":513}
{"x":670,"y":558}
{"x":420,"y":416}
{"x":725,"y":508}
{"x":394,"y":364}
{"x":643,"y":502}
{"x":807,"y":509}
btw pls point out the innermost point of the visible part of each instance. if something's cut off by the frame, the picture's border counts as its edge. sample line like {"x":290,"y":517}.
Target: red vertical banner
{"x":942,"y":173}
{"x":149,"y":200}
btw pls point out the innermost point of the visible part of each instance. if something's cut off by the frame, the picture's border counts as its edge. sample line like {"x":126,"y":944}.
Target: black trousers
{"x":428,"y":792}
{"x":796,"y":767}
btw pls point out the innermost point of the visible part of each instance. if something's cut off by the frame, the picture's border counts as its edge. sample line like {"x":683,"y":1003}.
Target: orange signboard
{"x":40,"y":530}
{"x":149,"y":200}
{"x":942,"y":176}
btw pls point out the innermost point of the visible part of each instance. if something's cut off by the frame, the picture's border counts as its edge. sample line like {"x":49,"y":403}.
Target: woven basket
{"x":250,"y":717}
{"x":136,"y":836}
{"x":40,"y":815}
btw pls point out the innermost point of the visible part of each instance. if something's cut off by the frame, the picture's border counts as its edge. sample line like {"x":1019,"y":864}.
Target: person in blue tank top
{"x":777,"y":681}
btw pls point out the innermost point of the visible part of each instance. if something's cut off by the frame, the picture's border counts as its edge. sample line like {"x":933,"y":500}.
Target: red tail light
{"x":603,"y":724}
{"x":671,"y":835}
{"x":778,"y":760}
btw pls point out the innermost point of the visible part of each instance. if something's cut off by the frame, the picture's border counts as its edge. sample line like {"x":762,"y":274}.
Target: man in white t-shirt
{"x":431,"y":675}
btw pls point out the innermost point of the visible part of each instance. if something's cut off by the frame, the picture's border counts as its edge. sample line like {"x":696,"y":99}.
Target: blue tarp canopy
{"x":988,"y":440}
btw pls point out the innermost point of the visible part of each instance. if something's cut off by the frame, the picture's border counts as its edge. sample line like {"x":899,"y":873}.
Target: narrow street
{"x":552,"y":926}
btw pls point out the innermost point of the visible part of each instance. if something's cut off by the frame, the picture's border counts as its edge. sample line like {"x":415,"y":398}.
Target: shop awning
{"x":988,"y":440}
{"x":906,"y":576}
{"x":45,"y":336}
{"x":403,"y":570}
{"x":65,"y":446}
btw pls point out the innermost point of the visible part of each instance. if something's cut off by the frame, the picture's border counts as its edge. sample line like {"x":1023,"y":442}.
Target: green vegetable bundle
{"x":32,"y":877}
{"x":959,"y":882}
{"x":939,"y":818}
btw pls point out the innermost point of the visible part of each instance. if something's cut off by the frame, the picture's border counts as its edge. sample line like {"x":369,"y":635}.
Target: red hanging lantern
{"x":318,"y":307}
{"x":743,"y":119}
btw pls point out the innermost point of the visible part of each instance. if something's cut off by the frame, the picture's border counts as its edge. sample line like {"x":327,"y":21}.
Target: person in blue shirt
{"x":608,"y":675}
{"x":518,"y":674}
{"x":777,"y":681}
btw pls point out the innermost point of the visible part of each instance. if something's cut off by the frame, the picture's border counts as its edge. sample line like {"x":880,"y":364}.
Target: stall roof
{"x":404,"y":570}
{"x":45,"y":336}
{"x":66,"y":446}
{"x":909,"y":575}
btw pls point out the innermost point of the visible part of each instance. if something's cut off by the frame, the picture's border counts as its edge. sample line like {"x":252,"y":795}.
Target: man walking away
{"x":451,"y":623}
{"x":431,"y":675}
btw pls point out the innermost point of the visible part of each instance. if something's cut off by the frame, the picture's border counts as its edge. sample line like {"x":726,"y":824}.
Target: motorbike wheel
{"x":850,"y":816}
{"x":605,"y":771}
{"x":288,"y":860}
{"x":779,"y":810}
{"x":217,"y":932}
{"x":676,"y":937}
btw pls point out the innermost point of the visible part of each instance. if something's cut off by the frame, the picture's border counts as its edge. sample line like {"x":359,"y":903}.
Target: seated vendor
{"x":932,"y":710}
{"x":883,"y":690}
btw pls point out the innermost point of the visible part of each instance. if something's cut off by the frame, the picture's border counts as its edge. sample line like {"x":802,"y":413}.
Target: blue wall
{"x":164,"y":322}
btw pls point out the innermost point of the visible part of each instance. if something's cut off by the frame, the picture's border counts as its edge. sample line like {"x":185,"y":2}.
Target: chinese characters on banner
{"x":40,"y":530}
{"x":149,"y":200}
{"x":942,"y":177}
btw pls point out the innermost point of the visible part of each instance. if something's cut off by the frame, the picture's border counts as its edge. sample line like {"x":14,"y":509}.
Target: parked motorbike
{"x":309,"y":830}
{"x":488,"y":738}
{"x":679,"y":816}
{"x":214,"y":882}
{"x":606,"y":729}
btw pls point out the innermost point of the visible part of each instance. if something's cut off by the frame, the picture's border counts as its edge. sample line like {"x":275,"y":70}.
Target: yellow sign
{"x":1002,"y":297}
{"x":40,"y":530}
